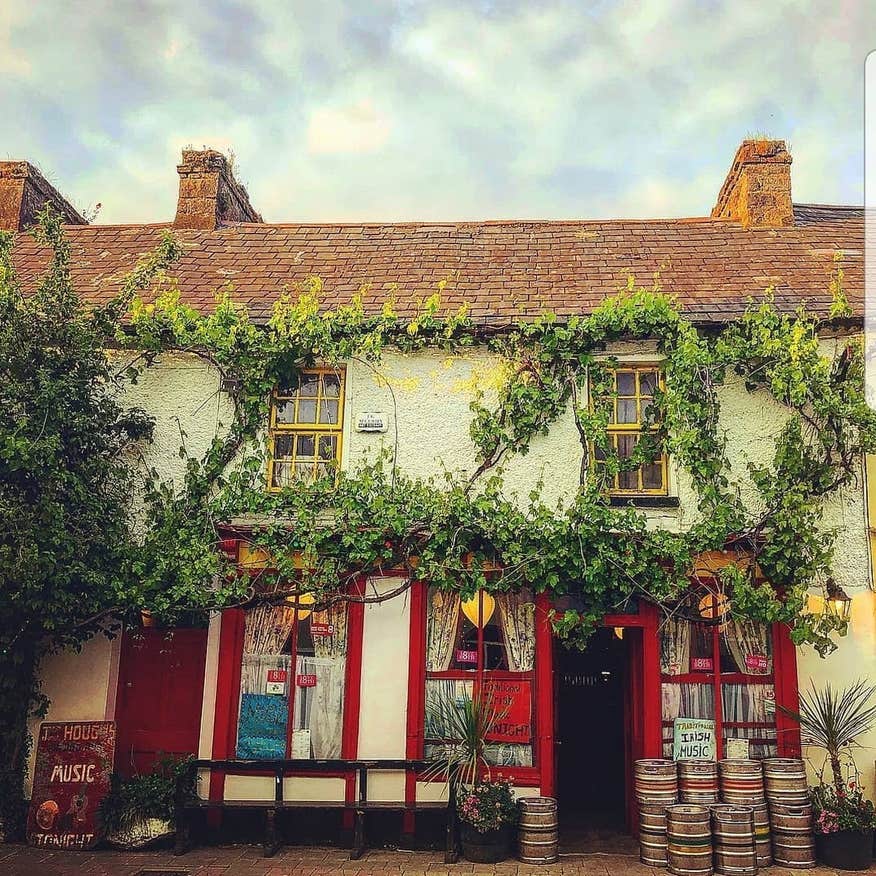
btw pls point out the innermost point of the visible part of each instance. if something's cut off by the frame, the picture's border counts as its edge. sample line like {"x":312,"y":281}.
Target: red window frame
{"x":529,"y":776}
{"x":227,"y":708}
{"x":784,"y":681}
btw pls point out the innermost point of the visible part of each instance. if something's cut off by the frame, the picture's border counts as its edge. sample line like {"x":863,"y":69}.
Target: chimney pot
{"x":208,"y":192}
{"x":757,"y":191}
{"x":24,"y":192}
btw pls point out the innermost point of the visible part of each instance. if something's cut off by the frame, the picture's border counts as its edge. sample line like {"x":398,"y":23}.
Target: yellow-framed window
{"x":634,"y":388}
{"x":306,"y":427}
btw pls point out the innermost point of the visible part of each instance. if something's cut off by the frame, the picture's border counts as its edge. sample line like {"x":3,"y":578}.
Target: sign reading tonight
{"x":74,"y":761}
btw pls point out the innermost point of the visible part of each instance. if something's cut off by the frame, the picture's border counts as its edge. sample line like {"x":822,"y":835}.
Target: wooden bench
{"x":186,"y":805}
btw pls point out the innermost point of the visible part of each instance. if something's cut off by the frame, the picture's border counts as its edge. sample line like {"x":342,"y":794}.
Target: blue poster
{"x":261,"y":732}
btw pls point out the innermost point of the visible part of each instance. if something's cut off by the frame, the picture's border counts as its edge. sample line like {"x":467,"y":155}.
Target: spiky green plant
{"x":833,"y":719}
{"x":461,"y":752}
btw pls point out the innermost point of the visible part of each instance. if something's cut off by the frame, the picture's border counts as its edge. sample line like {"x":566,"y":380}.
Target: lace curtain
{"x":518,"y":628}
{"x":675,"y":647}
{"x":747,"y":704}
{"x":441,"y":623}
{"x":321,"y":708}
{"x":749,"y":639}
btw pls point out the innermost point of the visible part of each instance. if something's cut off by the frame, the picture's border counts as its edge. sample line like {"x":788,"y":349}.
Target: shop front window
{"x":483,"y":648}
{"x":292,"y":682}
{"x":718,"y":671}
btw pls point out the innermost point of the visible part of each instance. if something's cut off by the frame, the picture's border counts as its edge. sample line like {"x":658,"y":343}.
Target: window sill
{"x":644,"y":501}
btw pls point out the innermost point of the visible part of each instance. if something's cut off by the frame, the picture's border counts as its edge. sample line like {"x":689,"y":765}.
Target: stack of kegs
{"x":735,"y":852}
{"x":790,"y":812}
{"x":689,"y":834}
{"x":656,"y":788}
{"x":698,"y":782}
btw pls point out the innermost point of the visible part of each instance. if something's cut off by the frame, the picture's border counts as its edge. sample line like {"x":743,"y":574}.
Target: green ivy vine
{"x":468,"y":534}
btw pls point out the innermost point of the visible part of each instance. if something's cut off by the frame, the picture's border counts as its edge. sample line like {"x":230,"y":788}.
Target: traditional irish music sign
{"x":74,"y":761}
{"x":693,"y":739}
{"x":512,"y":701}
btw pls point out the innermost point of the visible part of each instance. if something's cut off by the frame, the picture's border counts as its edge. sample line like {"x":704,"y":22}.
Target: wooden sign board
{"x":74,"y":762}
{"x":512,"y":700}
{"x":693,"y":738}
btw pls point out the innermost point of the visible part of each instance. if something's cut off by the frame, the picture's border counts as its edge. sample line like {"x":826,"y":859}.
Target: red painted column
{"x":227,"y":695}
{"x":544,"y":695}
{"x":787,"y":692}
{"x":353,"y":694}
{"x":416,"y":693}
{"x":651,"y":699}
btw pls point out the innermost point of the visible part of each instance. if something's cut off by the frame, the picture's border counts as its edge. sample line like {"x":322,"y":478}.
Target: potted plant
{"x":843,"y":818}
{"x":487,"y":813}
{"x":139,"y":811}
{"x":485,"y":808}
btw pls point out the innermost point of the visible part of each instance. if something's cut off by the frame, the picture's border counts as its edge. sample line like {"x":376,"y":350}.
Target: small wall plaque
{"x":371,"y":422}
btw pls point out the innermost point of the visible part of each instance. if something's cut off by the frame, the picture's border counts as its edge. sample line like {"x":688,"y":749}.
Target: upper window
{"x":631,"y":405}
{"x":306,"y":424}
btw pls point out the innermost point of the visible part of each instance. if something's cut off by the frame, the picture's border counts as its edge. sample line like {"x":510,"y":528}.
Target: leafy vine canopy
{"x":788,"y":380}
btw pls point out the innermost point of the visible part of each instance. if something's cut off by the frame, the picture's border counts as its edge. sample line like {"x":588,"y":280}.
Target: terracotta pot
{"x":845,"y":849}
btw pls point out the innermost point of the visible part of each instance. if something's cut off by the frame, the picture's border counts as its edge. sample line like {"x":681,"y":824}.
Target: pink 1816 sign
{"x":306,"y":681}
{"x":466,"y":656}
{"x":757,"y":662}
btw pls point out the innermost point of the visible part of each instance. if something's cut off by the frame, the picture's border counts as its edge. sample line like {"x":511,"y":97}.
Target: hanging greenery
{"x":470,"y":534}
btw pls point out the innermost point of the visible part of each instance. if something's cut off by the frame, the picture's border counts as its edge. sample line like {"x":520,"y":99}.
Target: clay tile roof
{"x":504,"y":270}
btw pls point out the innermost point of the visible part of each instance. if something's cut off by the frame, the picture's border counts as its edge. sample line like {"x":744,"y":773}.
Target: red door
{"x":161,"y":686}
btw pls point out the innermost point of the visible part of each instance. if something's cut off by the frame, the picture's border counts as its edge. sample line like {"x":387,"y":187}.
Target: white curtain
{"x":518,"y":628}
{"x":675,"y":647}
{"x":751,"y":703}
{"x":320,"y":709}
{"x":266,"y":629}
{"x":442,"y":621}
{"x":748,"y":638}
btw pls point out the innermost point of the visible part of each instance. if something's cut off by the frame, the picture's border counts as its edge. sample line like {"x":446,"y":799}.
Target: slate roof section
{"x":505,"y":270}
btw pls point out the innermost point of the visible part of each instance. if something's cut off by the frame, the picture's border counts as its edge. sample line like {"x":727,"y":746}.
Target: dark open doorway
{"x":592,"y":737}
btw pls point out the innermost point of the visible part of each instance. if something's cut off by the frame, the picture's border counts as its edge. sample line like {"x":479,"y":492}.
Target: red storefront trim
{"x":544,"y":696}
{"x":785,"y":675}
{"x":416,"y":693}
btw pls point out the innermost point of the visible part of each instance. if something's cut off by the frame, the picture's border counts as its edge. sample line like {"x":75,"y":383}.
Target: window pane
{"x":328,"y":411}
{"x":283,"y":446}
{"x":327,"y":446}
{"x":627,"y":411}
{"x":286,"y":412}
{"x":647,"y":382}
{"x":626,"y":444}
{"x":331,"y":385}
{"x":443,"y":696}
{"x":308,"y":385}
{"x":628,"y":480}
{"x":307,"y":410}
{"x":652,"y":476}
{"x":305,"y":445}
{"x":626,"y":382}
{"x":304,"y":470}
{"x":746,"y":646}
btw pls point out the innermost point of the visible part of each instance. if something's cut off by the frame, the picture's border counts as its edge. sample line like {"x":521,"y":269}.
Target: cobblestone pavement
{"x":16,"y":860}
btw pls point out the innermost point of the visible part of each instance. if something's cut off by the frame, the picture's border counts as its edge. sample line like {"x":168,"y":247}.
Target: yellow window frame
{"x":616,"y":429}
{"x":317,"y":429}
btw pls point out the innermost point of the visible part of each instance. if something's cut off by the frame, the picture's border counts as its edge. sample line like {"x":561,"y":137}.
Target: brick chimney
{"x":208,"y":192}
{"x":757,"y":191}
{"x":24,"y":191}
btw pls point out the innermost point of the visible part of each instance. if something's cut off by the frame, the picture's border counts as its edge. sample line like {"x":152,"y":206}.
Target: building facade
{"x":369,"y":679}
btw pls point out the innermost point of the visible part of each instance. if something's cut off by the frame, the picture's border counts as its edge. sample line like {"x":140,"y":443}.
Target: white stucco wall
{"x":426,"y":397}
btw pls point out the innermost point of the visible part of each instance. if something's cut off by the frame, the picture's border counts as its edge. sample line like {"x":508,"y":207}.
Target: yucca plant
{"x":464,"y":728}
{"x":833,"y":719}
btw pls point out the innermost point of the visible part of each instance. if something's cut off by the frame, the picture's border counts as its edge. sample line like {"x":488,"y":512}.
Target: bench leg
{"x":358,"y":836}
{"x":272,"y":841}
{"x":182,"y":840}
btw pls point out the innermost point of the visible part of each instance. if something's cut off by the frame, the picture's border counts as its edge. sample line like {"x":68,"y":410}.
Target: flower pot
{"x":845,"y":849}
{"x":486,"y":848}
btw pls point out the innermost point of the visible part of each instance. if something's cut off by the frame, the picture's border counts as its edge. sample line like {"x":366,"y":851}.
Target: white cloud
{"x":359,"y":127}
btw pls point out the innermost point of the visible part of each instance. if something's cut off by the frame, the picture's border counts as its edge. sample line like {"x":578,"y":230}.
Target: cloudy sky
{"x":441,"y":109}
